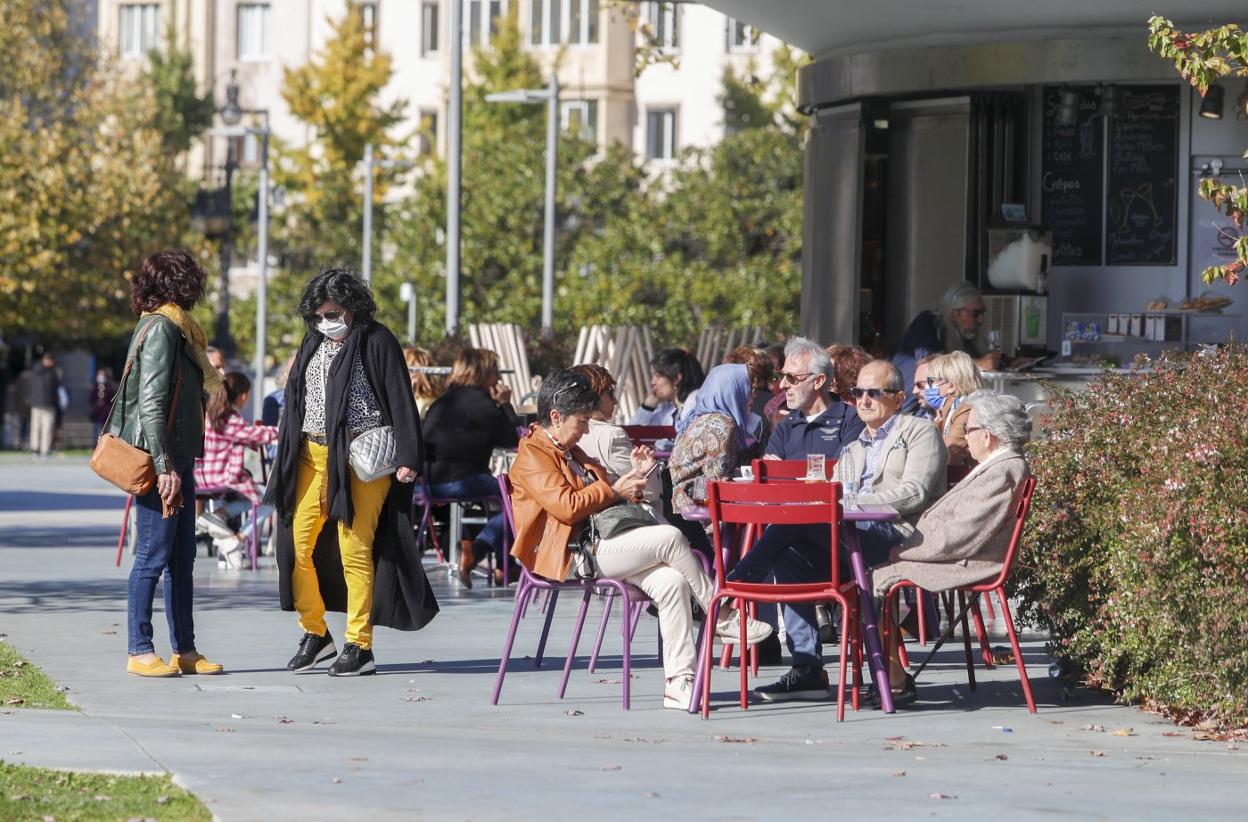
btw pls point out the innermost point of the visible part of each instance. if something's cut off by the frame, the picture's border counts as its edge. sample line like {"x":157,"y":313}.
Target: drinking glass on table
{"x":814,"y":468}
{"x":994,"y":340}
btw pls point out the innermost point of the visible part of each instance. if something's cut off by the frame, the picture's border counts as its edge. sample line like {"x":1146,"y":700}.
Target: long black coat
{"x":402,"y":596}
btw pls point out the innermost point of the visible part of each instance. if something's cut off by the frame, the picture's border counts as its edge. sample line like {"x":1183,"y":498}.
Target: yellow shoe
{"x":194,"y":663}
{"x":156,"y":667}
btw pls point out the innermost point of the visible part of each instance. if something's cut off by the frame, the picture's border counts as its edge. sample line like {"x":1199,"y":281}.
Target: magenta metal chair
{"x":530,"y":584}
{"x":423,"y":496}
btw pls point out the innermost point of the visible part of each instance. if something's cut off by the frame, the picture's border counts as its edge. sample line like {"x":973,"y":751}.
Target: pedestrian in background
{"x":43,"y":388}
{"x":160,"y":410}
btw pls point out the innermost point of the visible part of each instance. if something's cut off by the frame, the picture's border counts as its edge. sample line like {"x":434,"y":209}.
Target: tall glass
{"x":815,"y":468}
{"x":849,"y":494}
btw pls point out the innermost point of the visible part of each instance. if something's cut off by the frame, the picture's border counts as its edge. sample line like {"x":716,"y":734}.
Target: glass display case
{"x":1116,"y":338}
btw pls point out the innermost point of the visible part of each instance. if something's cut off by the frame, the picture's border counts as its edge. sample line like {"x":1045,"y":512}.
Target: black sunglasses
{"x":328,"y":315}
{"x":873,"y":393}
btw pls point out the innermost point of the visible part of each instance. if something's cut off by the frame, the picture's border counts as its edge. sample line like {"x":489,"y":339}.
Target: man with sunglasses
{"x":818,"y":422}
{"x":896,"y":460}
{"x":956,"y":324}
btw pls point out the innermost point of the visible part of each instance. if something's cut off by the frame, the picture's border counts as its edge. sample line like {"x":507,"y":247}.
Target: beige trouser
{"x":42,"y":427}
{"x":658,"y":560}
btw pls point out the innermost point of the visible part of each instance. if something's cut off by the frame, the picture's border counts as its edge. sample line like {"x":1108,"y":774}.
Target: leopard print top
{"x":363,"y":410}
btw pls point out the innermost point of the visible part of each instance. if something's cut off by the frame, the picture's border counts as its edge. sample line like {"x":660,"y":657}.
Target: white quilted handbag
{"x":373,"y":454}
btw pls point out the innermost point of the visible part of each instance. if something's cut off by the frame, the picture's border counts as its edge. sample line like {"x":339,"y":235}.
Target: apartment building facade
{"x":665,"y":108}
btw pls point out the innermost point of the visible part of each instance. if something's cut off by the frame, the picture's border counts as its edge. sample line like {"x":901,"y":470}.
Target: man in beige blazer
{"x":897,"y":460}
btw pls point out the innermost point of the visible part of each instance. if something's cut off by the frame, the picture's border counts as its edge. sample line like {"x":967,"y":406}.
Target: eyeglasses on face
{"x":328,"y":315}
{"x":873,"y":393}
{"x":972,"y":428}
{"x":975,"y":312}
{"x":793,"y":379}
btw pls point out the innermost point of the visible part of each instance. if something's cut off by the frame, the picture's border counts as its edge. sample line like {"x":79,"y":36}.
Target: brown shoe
{"x":466,"y":562}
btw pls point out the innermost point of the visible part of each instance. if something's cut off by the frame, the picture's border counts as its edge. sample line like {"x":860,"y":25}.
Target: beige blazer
{"x":911,"y":472}
{"x":610,"y":447}
{"x":963,"y":537}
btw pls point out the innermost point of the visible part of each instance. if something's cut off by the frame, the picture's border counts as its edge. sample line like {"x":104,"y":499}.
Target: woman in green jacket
{"x":160,"y":409}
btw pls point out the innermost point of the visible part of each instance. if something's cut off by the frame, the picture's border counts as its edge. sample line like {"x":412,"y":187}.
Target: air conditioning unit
{"x":1020,"y":319}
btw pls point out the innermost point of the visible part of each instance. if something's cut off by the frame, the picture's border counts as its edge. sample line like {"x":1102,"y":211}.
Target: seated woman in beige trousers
{"x":557,"y":487}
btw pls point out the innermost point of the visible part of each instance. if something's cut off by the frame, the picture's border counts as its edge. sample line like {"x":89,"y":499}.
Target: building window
{"x":661,"y":134}
{"x":741,"y":36}
{"x":428,"y":130}
{"x":428,"y":28}
{"x":663,"y":20}
{"x":139,"y":29}
{"x":580,"y":117}
{"x":253,"y":31}
{"x":246,"y":150}
{"x":481,"y":21}
{"x":553,"y":22}
{"x":368,"y":17}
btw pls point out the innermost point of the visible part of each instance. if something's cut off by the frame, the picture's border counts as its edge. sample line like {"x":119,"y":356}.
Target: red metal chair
{"x":968,"y":600}
{"x":649,"y":434}
{"x":788,"y":503}
{"x":787,"y":470}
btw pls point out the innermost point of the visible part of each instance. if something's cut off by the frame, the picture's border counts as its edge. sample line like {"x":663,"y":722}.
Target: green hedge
{"x":1135,"y":557}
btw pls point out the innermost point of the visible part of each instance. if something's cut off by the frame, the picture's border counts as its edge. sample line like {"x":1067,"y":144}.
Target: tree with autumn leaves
{"x":1203,"y":58}
{"x":88,"y":182}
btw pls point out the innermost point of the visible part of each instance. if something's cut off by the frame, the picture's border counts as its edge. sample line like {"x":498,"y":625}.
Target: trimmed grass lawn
{"x":22,"y":685}
{"x":40,"y":793}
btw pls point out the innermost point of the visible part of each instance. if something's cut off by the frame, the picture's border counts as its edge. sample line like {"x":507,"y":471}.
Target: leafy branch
{"x":1202,"y":58}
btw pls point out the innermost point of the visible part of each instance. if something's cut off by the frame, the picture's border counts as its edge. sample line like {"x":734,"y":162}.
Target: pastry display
{"x":1208,"y":301}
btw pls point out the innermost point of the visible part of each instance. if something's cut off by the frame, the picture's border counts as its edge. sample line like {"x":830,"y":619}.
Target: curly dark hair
{"x":169,"y":276}
{"x":341,"y":286}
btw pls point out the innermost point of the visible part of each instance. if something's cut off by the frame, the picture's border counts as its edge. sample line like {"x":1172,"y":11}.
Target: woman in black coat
{"x":463,"y":427}
{"x":349,"y":377}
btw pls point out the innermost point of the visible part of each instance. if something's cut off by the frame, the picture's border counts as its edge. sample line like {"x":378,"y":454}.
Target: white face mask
{"x":334,"y":329}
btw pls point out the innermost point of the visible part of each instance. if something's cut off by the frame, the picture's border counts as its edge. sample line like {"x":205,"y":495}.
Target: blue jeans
{"x":478,"y":485}
{"x":800,"y":553}
{"x":166,"y":547}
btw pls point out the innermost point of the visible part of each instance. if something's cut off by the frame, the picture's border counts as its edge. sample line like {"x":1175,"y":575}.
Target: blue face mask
{"x":933,"y":397}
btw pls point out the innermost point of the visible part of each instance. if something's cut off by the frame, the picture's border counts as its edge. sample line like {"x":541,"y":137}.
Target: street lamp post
{"x":549,"y":96}
{"x":230,"y":113}
{"x":454,"y":162}
{"x":369,"y":163}
{"x":232,"y":116}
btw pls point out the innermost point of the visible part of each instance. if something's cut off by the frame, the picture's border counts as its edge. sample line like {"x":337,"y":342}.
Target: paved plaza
{"x":421,"y":740}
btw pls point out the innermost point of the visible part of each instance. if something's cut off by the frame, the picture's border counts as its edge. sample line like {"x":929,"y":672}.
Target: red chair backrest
{"x":1022,"y":504}
{"x":757,"y":505}
{"x":649,"y":434}
{"x":787,"y":470}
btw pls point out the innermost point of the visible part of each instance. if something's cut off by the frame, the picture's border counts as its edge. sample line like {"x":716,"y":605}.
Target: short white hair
{"x":815,"y":355}
{"x":1003,"y":416}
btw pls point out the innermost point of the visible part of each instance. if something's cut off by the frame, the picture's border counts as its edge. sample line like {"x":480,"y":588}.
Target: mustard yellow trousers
{"x":355,"y":542}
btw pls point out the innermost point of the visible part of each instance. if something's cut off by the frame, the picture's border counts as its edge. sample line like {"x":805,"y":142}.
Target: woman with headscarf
{"x":718,"y":435}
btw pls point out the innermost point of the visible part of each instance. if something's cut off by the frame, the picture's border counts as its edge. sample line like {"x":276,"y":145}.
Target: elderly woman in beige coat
{"x":963,"y":537}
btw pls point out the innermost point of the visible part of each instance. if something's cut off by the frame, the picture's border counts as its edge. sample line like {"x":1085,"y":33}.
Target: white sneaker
{"x":210,"y":523}
{"x":230,"y":553}
{"x":728,"y":628}
{"x":678,"y":694}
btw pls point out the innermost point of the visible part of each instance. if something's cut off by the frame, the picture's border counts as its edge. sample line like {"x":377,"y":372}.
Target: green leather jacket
{"x":141,"y":415}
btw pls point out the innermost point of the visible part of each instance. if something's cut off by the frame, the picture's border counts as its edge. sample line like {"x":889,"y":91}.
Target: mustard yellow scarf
{"x":195,"y":337}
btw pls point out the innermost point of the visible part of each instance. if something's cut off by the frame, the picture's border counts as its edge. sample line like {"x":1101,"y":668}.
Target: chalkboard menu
{"x":1072,"y":199}
{"x":1141,"y":198}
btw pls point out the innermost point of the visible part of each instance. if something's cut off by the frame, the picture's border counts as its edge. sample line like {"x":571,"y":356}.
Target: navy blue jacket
{"x":794,"y":436}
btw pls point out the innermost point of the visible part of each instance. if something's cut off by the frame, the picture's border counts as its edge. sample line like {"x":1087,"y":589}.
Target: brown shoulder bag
{"x":128,"y":467}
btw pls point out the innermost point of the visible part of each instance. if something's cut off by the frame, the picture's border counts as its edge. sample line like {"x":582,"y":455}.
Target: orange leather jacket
{"x":548,"y":500}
